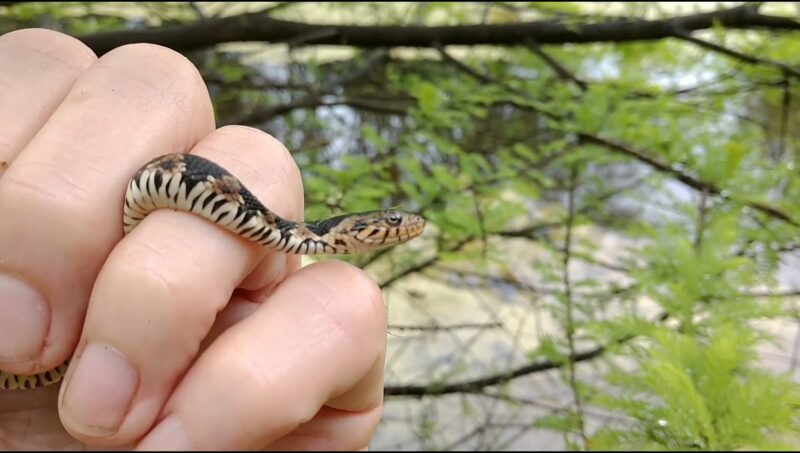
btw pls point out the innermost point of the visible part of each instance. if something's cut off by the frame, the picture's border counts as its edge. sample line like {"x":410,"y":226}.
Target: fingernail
{"x":168,"y":435}
{"x":24,"y":319}
{"x":100,"y":391}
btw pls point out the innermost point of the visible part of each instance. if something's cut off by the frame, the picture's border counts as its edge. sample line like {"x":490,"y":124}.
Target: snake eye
{"x":394,"y":219}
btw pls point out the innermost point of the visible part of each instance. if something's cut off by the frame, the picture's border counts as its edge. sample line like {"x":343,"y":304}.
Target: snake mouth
{"x":412,"y":227}
{"x":416,"y":224}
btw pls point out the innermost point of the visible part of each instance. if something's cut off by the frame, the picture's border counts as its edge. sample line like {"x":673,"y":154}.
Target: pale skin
{"x":185,"y":336}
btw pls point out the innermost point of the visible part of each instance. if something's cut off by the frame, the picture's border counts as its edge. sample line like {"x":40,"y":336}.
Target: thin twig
{"x":272,"y":9}
{"x":313,"y":35}
{"x":554,"y":407}
{"x":422,"y":265}
{"x":447,"y":327}
{"x":481,"y":224}
{"x":788,"y":70}
{"x":570,"y":322}
{"x":249,"y":83}
{"x":795,"y":348}
{"x":780,"y":294}
{"x":561,"y":71}
{"x":701,"y":219}
{"x":784,"y":121}
{"x":199,"y":12}
{"x":687,"y":179}
{"x":461,"y":66}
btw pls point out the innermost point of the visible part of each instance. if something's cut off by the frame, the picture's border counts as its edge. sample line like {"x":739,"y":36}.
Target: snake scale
{"x":194,"y":184}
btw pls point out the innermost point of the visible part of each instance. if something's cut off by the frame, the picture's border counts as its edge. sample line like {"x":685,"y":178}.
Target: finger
{"x":319,"y":339}
{"x":159,"y":292}
{"x":332,"y":430}
{"x":61,"y":198}
{"x":39,"y":65}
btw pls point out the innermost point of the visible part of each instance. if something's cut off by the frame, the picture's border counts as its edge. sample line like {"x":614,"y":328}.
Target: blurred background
{"x":613,"y":253}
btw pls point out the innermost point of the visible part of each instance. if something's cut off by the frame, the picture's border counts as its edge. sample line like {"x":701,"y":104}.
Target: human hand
{"x":185,"y":336}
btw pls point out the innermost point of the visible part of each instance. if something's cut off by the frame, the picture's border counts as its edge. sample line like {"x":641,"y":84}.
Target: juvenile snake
{"x":194,"y":184}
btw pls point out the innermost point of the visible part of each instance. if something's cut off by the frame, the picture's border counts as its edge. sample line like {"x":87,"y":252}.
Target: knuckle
{"x":142,"y":76}
{"x":54,"y":44}
{"x":46,"y":180}
{"x":171,"y":68}
{"x":52,"y":207}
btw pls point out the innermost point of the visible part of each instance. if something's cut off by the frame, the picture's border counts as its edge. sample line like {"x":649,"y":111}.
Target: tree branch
{"x":495,"y":379}
{"x":561,"y":71}
{"x":476,"y":385}
{"x":685,"y":178}
{"x":266,"y":114}
{"x":767,"y":294}
{"x":260,"y":27}
{"x":788,"y":70}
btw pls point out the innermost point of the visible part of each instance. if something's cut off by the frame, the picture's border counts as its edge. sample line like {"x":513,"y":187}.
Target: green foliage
{"x":700,"y":393}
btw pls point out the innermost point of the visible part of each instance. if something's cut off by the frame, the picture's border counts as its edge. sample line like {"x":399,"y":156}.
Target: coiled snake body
{"x":194,"y":184}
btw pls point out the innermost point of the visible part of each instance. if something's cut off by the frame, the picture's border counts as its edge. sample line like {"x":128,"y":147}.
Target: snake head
{"x":364,"y":231}
{"x":381,"y":228}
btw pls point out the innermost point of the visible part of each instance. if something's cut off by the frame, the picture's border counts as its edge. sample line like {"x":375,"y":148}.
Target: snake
{"x":197,"y":185}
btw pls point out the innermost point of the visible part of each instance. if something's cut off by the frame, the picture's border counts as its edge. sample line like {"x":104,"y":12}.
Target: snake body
{"x":191,"y":183}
